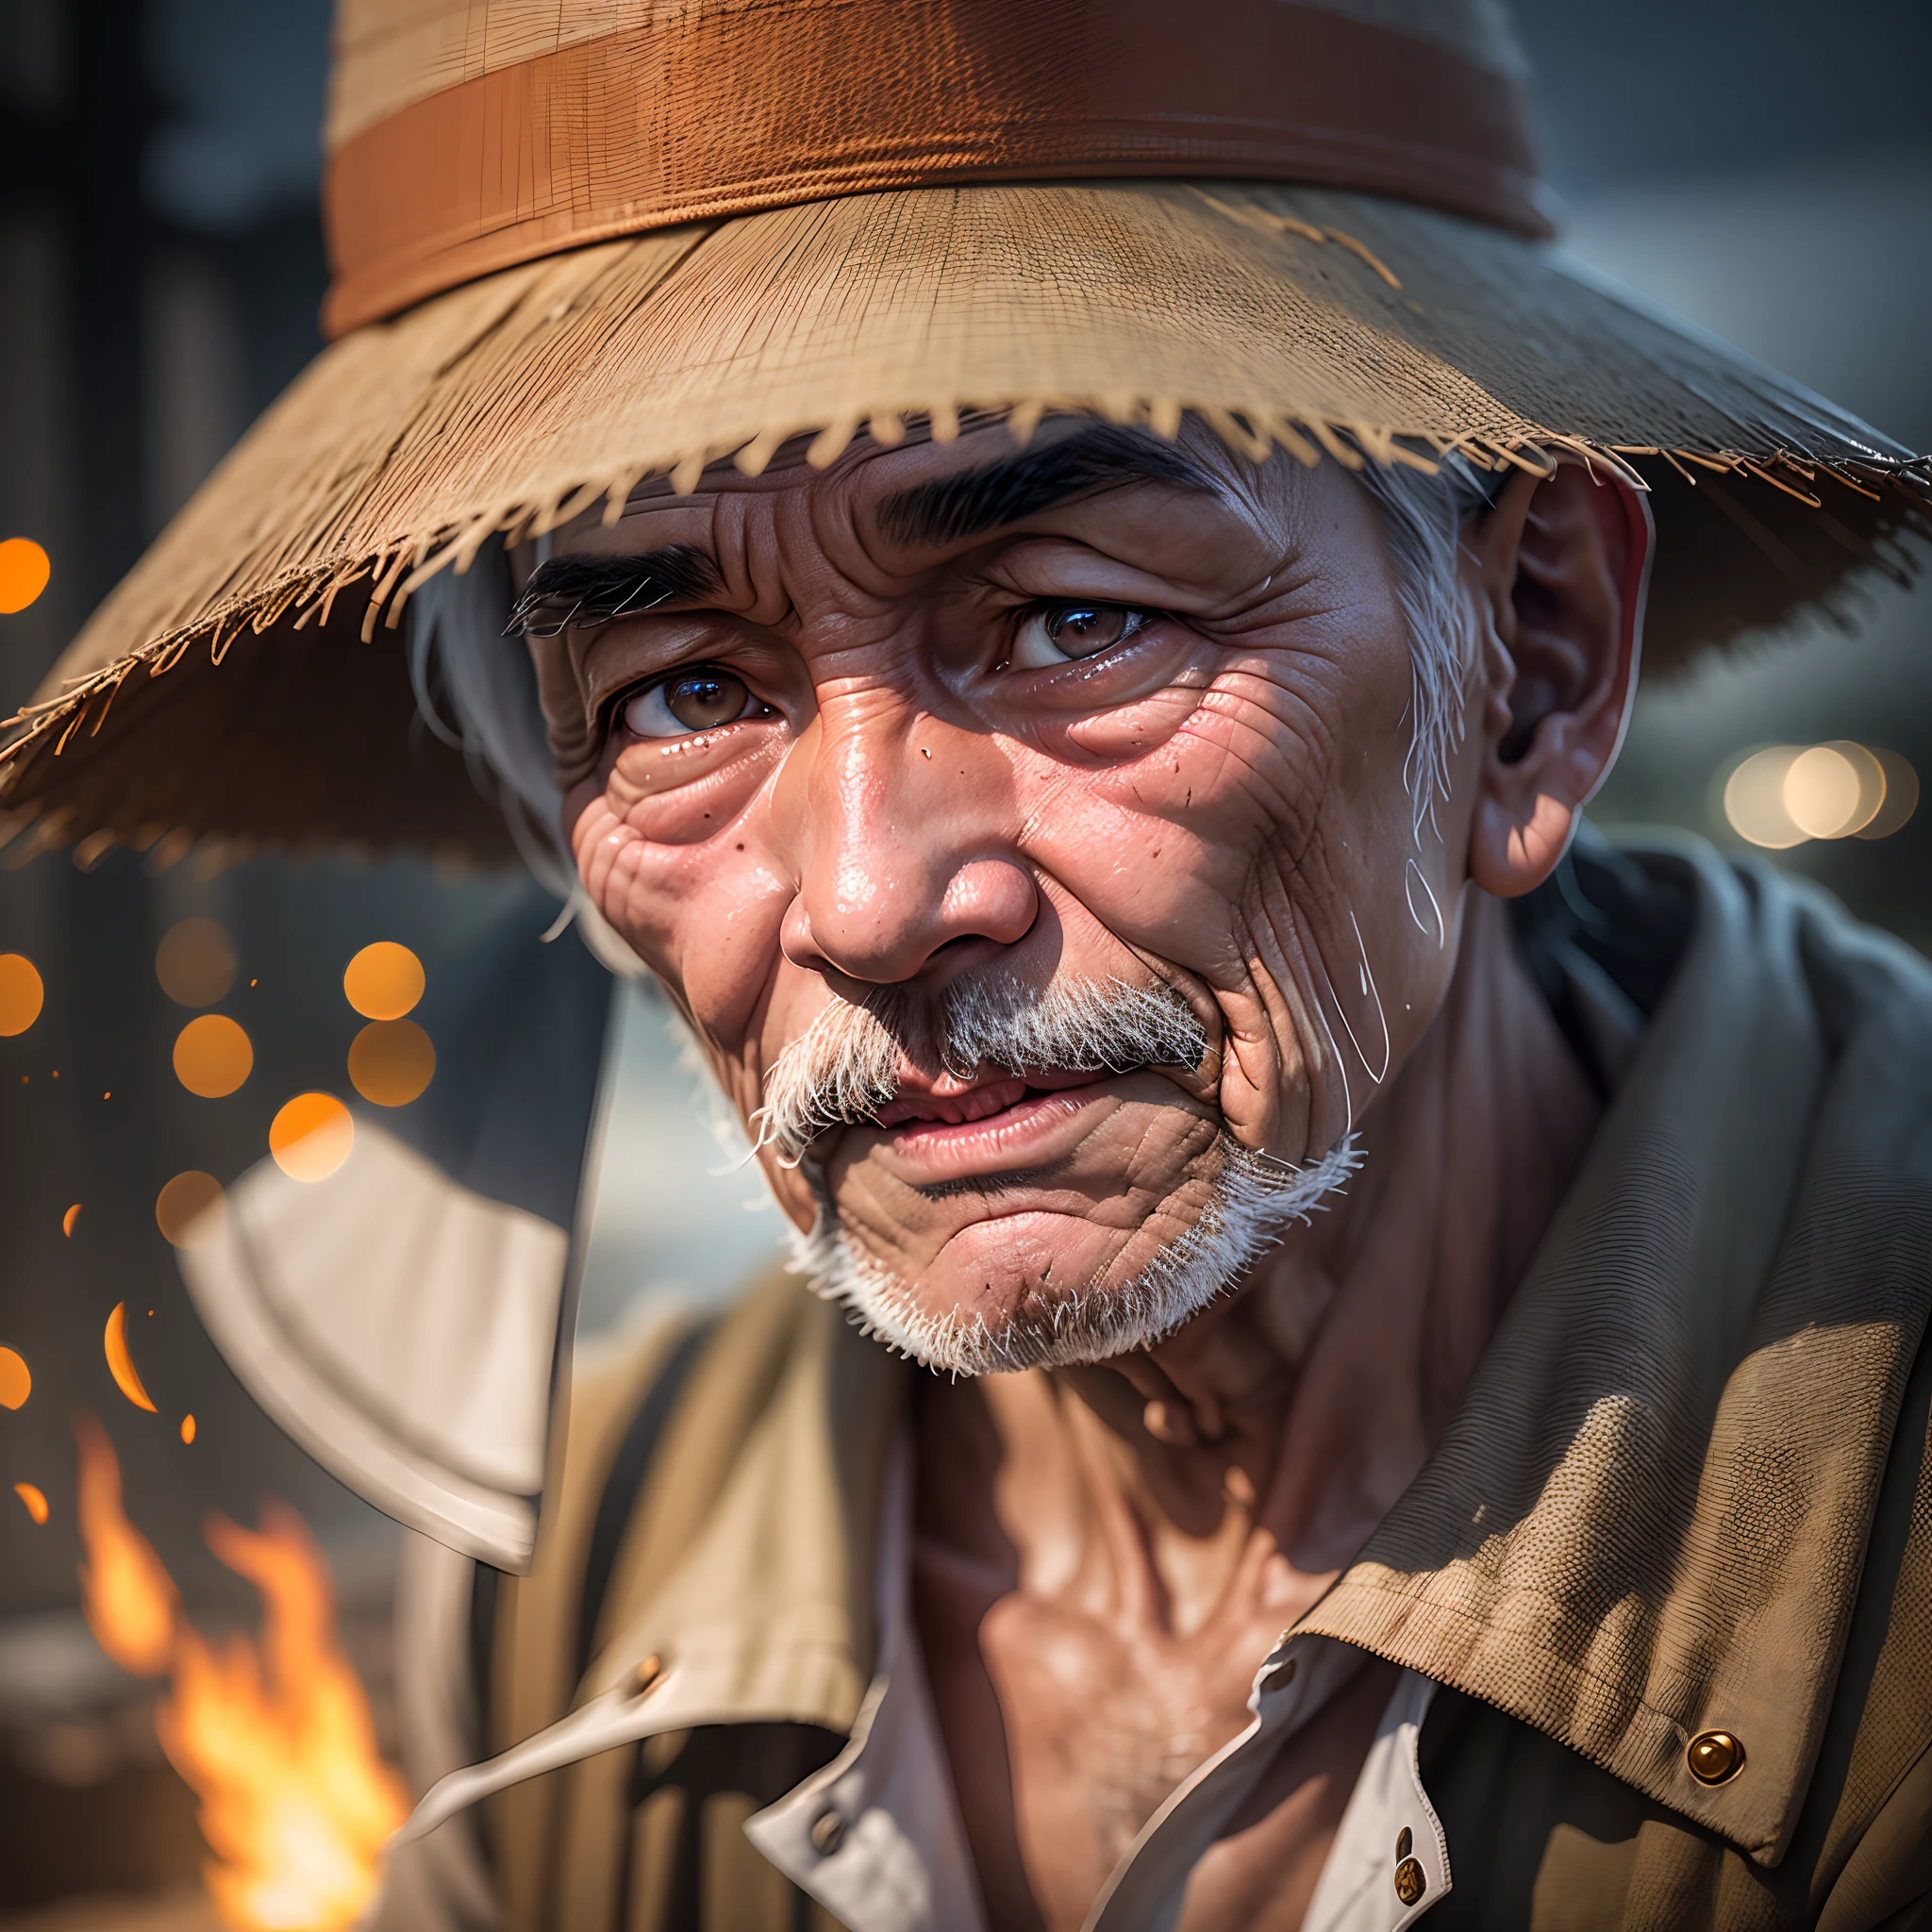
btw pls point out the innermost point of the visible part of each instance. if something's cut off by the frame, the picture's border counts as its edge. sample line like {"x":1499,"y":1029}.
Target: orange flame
{"x":130,"y":1599}
{"x":277,"y":1741}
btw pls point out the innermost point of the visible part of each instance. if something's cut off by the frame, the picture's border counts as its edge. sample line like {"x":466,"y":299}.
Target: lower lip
{"x":1032,"y":1130}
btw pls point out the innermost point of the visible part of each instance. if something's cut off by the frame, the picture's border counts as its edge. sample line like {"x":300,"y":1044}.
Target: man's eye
{"x":699,"y":700}
{"x":1060,"y":633}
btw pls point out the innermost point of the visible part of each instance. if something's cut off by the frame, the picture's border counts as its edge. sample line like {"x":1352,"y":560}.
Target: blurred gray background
{"x":1764,"y":167}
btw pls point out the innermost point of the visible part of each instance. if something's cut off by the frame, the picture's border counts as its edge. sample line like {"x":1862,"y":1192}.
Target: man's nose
{"x":897,"y":822}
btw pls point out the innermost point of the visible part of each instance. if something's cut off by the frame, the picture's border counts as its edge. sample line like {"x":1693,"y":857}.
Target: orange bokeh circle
{"x":23,"y":993}
{"x":191,"y":1210}
{"x":24,"y":569}
{"x":391,"y":1062}
{"x":212,"y":1055}
{"x":195,"y":962}
{"x":311,"y":1136}
{"x":383,"y":982}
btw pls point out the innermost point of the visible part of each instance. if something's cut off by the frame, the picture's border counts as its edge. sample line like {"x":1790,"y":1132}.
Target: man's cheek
{"x":706,"y":918}
{"x":696,"y":790}
{"x":1158,"y":851}
{"x":789,"y":1186}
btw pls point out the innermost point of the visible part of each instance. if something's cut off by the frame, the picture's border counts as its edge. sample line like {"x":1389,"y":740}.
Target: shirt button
{"x":1405,"y":1843}
{"x":827,"y":1833}
{"x":1714,"y":1757}
{"x":1411,"y":1881}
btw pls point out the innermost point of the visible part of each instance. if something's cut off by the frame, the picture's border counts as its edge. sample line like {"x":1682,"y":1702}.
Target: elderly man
{"x":1427,"y":1405}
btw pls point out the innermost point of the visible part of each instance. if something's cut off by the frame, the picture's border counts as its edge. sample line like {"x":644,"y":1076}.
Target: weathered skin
{"x":915,"y":789}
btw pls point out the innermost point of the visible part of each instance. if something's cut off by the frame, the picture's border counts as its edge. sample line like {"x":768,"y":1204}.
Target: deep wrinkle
{"x":977,"y":502}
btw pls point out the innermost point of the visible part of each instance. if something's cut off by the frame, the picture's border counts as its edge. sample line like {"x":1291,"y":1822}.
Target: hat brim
{"x":231,"y":690}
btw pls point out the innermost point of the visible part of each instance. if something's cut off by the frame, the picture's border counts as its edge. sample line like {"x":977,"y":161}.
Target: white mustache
{"x":847,"y":1063}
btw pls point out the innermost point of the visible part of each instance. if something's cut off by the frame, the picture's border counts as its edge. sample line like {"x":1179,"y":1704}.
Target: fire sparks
{"x":119,"y":1363}
{"x":275,"y":1740}
{"x":35,"y":1499}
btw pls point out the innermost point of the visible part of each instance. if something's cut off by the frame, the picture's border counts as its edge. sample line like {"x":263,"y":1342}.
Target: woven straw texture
{"x":1315,"y":321}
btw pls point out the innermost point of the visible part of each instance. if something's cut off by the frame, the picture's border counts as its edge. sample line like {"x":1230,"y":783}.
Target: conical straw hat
{"x":582,"y":244}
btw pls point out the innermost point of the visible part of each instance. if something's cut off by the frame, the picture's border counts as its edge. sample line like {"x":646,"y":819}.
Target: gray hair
{"x":477,"y":689}
{"x":1425,"y":515}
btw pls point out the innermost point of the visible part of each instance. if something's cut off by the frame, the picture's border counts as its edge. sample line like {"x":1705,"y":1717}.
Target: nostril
{"x":795,"y":939}
{"x":990,"y":899}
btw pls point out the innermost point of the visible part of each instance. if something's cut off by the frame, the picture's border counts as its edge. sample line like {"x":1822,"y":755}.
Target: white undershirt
{"x":877,"y":1836}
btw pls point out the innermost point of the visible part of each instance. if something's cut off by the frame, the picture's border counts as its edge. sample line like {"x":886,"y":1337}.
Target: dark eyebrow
{"x":977,"y":501}
{"x":586,"y":590}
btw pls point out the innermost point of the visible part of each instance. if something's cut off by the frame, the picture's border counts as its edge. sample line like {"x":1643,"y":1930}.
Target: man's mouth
{"x":994,"y":1125}
{"x":980,"y":1101}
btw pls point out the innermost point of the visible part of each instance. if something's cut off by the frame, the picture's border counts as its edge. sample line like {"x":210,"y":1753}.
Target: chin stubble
{"x":1255,"y":1200}
{"x":845,"y":1066}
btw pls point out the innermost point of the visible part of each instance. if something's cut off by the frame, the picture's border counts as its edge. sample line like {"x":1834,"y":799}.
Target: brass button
{"x":1714,"y":1757}
{"x":1410,"y":1881}
{"x":1405,"y":1843}
{"x":827,"y":1833}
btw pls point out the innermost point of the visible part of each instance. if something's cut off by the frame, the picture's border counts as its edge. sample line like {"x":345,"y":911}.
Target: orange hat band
{"x":706,"y":112}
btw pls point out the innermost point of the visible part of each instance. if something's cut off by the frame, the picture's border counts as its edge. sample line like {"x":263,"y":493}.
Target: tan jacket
{"x":1686,"y":1492}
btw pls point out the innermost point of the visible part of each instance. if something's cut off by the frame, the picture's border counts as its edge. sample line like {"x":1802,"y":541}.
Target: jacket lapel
{"x":1647,"y":1521}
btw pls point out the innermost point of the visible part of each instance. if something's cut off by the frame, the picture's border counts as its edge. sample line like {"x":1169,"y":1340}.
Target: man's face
{"x":1107,"y":721}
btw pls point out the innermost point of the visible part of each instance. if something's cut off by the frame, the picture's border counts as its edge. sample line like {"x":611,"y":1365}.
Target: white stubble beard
{"x":1254,"y":1201}
{"x":846,"y":1066}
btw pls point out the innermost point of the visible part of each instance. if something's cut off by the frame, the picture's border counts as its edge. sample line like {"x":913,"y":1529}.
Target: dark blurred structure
{"x":1765,"y":166}
{"x":1766,"y":170}
{"x":160,"y":265}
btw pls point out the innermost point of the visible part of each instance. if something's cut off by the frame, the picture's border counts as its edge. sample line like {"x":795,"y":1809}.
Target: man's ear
{"x":1563,"y":561}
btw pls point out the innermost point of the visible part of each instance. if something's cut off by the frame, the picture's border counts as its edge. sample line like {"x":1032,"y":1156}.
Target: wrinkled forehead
{"x":922,"y":498}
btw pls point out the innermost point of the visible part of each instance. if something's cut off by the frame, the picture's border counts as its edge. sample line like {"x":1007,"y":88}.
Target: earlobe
{"x":1563,"y":562}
